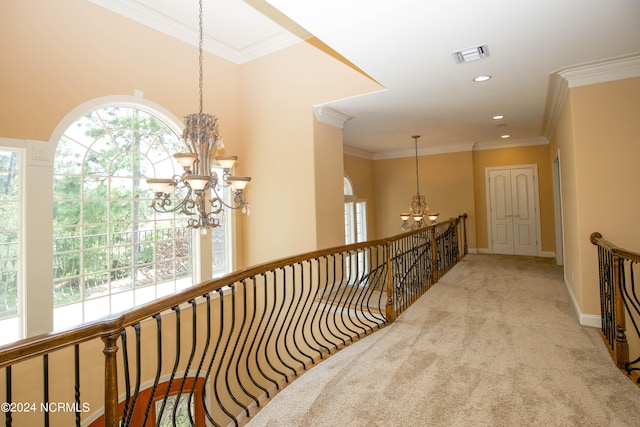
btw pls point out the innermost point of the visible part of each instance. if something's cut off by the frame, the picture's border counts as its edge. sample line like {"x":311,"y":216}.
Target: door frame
{"x":557,"y":196}
{"x":536,"y":200}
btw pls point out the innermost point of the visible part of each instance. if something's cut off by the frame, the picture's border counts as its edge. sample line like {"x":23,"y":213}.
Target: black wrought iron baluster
{"x":280,"y":322}
{"x":287,"y":319}
{"x":307,"y":309}
{"x":601,"y":283}
{"x":376,"y":283}
{"x":126,"y":375}
{"x":264,"y":333}
{"x":159,"y":414}
{"x":609,"y":293}
{"x":334,"y":284}
{"x":361,"y":288}
{"x":156,"y":380}
{"x":194,"y":341}
{"x":207,"y":297}
{"x":213,"y":357}
{"x":270,"y":326}
{"x":45,"y":400}
{"x":76,"y":374}
{"x":297,"y":316}
{"x":231,"y":354}
{"x":326,"y":300}
{"x":632,"y":306}
{"x":349,"y":289}
{"x":7,"y":382}
{"x":247,"y":335}
{"x":336,"y":301}
{"x":316,"y":302}
{"x":127,"y":415}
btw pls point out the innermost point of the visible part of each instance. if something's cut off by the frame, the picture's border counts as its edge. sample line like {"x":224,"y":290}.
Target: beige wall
{"x":59,"y":55}
{"x":329,"y":185}
{"x":597,"y":138}
{"x":288,"y":165}
{"x":446,"y":180}
{"x":534,"y":154}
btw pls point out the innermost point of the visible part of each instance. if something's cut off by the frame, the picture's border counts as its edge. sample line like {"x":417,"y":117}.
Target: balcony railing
{"x":218,"y":351}
{"x":619,"y":304}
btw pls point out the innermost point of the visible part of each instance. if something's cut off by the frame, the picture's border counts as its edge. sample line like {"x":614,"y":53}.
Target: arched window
{"x":112,"y":251}
{"x":355,"y":215}
{"x":355,"y":228}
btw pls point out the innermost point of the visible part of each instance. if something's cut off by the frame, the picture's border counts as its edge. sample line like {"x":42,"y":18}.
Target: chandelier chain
{"x":415,"y":138}
{"x":200,"y":55}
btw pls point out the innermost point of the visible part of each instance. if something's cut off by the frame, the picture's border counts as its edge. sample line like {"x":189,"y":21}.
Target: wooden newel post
{"x":464,"y":234}
{"x":458,"y":231}
{"x":621,"y":348}
{"x":390,"y":308}
{"x":434,"y":254}
{"x":110,"y":351}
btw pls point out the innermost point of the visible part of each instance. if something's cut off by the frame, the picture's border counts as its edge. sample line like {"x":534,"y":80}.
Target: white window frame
{"x":355,"y":226}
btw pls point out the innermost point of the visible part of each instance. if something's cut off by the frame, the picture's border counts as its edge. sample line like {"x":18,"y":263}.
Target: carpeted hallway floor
{"x":494,"y":343}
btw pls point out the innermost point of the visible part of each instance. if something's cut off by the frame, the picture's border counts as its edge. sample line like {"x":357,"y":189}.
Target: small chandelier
{"x":198,"y":180}
{"x":418,"y":208}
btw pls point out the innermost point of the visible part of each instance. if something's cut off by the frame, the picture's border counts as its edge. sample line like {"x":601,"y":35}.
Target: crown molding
{"x":588,"y":74}
{"x":330,"y":116}
{"x":439,"y":149}
{"x":185,"y":33}
{"x":348,"y":150}
{"x":602,"y":72}
{"x":556,"y":96}
{"x":445,"y":149}
{"x":495,"y":145}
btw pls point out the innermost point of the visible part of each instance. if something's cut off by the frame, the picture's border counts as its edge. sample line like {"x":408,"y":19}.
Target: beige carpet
{"x":494,"y":343}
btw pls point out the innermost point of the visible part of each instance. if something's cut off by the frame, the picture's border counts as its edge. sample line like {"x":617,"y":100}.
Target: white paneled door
{"x":512,"y":198}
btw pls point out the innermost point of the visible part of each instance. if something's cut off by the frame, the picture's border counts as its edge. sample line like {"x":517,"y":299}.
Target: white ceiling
{"x":406,"y":46}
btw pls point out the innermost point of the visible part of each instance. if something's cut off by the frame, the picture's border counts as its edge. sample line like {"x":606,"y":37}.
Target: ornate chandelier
{"x":199,"y":181}
{"x":418,"y":208}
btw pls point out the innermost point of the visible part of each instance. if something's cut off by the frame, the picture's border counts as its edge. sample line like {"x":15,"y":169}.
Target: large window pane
{"x":107,"y":240}
{"x":10,"y":243}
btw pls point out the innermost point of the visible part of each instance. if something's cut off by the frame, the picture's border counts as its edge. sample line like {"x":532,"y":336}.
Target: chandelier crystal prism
{"x":418,"y":207}
{"x":202,"y":202}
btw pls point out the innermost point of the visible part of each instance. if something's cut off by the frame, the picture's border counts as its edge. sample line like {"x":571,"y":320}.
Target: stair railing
{"x":619,"y":303}
{"x":216,"y":352}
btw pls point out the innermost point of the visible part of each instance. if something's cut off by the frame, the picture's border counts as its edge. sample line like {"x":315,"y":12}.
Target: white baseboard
{"x":472,"y":250}
{"x":543,"y":254}
{"x":592,"y":320}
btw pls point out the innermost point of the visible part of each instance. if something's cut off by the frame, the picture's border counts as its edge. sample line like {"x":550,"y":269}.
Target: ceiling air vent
{"x":471,"y":54}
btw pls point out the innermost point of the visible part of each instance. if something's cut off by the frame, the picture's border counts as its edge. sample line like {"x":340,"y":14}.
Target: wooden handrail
{"x":393,"y":253}
{"x":597,"y":239}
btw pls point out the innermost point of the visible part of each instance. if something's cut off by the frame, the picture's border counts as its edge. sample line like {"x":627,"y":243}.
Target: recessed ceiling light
{"x":482,"y":78}
{"x":498,"y":117}
{"x":505,"y":136}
